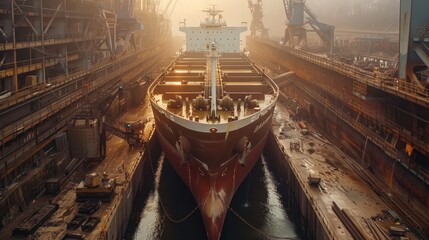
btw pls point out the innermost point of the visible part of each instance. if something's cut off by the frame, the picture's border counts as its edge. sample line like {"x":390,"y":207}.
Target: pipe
{"x":284,"y":75}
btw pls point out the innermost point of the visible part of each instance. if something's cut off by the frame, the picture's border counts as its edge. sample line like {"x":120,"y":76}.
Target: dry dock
{"x":298,"y":156}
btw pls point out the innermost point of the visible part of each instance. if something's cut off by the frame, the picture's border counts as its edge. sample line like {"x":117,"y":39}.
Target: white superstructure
{"x":213,"y":29}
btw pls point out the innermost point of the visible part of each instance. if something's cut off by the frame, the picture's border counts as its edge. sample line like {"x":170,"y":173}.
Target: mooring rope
{"x":269,"y":236}
{"x":160,"y":199}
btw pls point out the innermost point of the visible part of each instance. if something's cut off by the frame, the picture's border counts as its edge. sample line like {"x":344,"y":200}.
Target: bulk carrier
{"x":213,"y":108}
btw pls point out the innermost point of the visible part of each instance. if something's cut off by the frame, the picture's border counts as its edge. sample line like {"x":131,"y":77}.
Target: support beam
{"x":422,"y":54}
{"x":413,"y":18}
{"x":15,"y":73}
{"x":23,"y":14}
{"x":4,"y":54}
{"x":53,"y":17}
{"x":109,"y":36}
{"x":42,"y":23}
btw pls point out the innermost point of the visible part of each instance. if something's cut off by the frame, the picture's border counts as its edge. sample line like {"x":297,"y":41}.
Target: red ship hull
{"x":212,"y":185}
{"x":213,"y":151}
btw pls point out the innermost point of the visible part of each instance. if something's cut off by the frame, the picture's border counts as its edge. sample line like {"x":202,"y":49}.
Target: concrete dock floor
{"x":316,"y":156}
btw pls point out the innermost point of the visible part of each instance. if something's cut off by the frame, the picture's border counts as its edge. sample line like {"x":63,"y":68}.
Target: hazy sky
{"x":235,"y":12}
{"x":327,"y":11}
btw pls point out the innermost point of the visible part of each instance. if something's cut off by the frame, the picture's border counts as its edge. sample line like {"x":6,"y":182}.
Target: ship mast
{"x":213,"y":57}
{"x":211,"y":21}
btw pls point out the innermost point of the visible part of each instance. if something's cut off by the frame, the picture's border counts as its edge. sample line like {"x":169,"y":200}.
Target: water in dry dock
{"x":260,"y":201}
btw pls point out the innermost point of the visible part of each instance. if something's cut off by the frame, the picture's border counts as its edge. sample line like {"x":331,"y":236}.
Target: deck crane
{"x":295,"y":11}
{"x":257,"y":28}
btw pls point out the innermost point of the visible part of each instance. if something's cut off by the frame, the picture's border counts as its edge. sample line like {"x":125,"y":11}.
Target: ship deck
{"x":237,"y":77}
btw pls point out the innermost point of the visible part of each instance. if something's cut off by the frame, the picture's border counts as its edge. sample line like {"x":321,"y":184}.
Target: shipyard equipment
{"x":94,"y":188}
{"x":77,"y":221}
{"x":83,"y":136}
{"x":257,"y":28}
{"x":414,"y":44}
{"x":35,"y":220}
{"x":90,"y":224}
{"x":89,"y":207}
{"x":298,"y":15}
{"x":129,"y":131}
{"x":314,"y":179}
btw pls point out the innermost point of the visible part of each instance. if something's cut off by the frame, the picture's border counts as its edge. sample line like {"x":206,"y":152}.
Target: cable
{"x":160,"y":199}
{"x":269,"y":236}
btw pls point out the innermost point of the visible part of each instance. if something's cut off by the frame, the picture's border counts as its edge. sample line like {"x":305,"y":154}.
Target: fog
{"x":375,"y":15}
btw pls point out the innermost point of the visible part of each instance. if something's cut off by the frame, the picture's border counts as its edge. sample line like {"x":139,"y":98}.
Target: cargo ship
{"x":213,"y":108}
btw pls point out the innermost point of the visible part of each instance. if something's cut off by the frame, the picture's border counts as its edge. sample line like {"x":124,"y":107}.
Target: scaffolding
{"x":45,"y":39}
{"x":55,"y":57}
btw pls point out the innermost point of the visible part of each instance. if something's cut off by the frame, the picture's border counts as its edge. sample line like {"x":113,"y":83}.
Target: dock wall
{"x":120,"y":213}
{"x":315,"y":225}
{"x":397,"y":178}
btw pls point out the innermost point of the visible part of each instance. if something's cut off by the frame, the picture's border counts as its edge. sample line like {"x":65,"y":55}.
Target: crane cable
{"x":160,"y":199}
{"x":269,"y":236}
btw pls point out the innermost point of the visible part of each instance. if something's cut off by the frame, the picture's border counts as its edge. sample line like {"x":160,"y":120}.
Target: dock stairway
{"x":129,"y":133}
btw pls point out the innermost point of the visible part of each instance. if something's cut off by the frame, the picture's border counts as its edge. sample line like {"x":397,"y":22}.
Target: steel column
{"x":15,"y":73}
{"x":43,"y":42}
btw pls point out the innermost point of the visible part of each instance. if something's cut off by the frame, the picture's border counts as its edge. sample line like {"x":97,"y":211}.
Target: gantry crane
{"x":257,"y":28}
{"x":295,"y":11}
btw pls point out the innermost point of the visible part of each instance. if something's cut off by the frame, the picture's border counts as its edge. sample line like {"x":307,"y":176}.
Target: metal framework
{"x":414,"y":43}
{"x":45,"y":39}
{"x":55,"y":56}
{"x":257,"y":28}
{"x":295,"y":11}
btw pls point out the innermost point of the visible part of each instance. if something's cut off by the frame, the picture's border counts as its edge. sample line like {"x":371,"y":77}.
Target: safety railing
{"x":395,"y":86}
{"x":48,"y":61}
{"x":31,"y":91}
{"x":32,"y":40}
{"x":47,"y":11}
{"x":31,"y":120}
